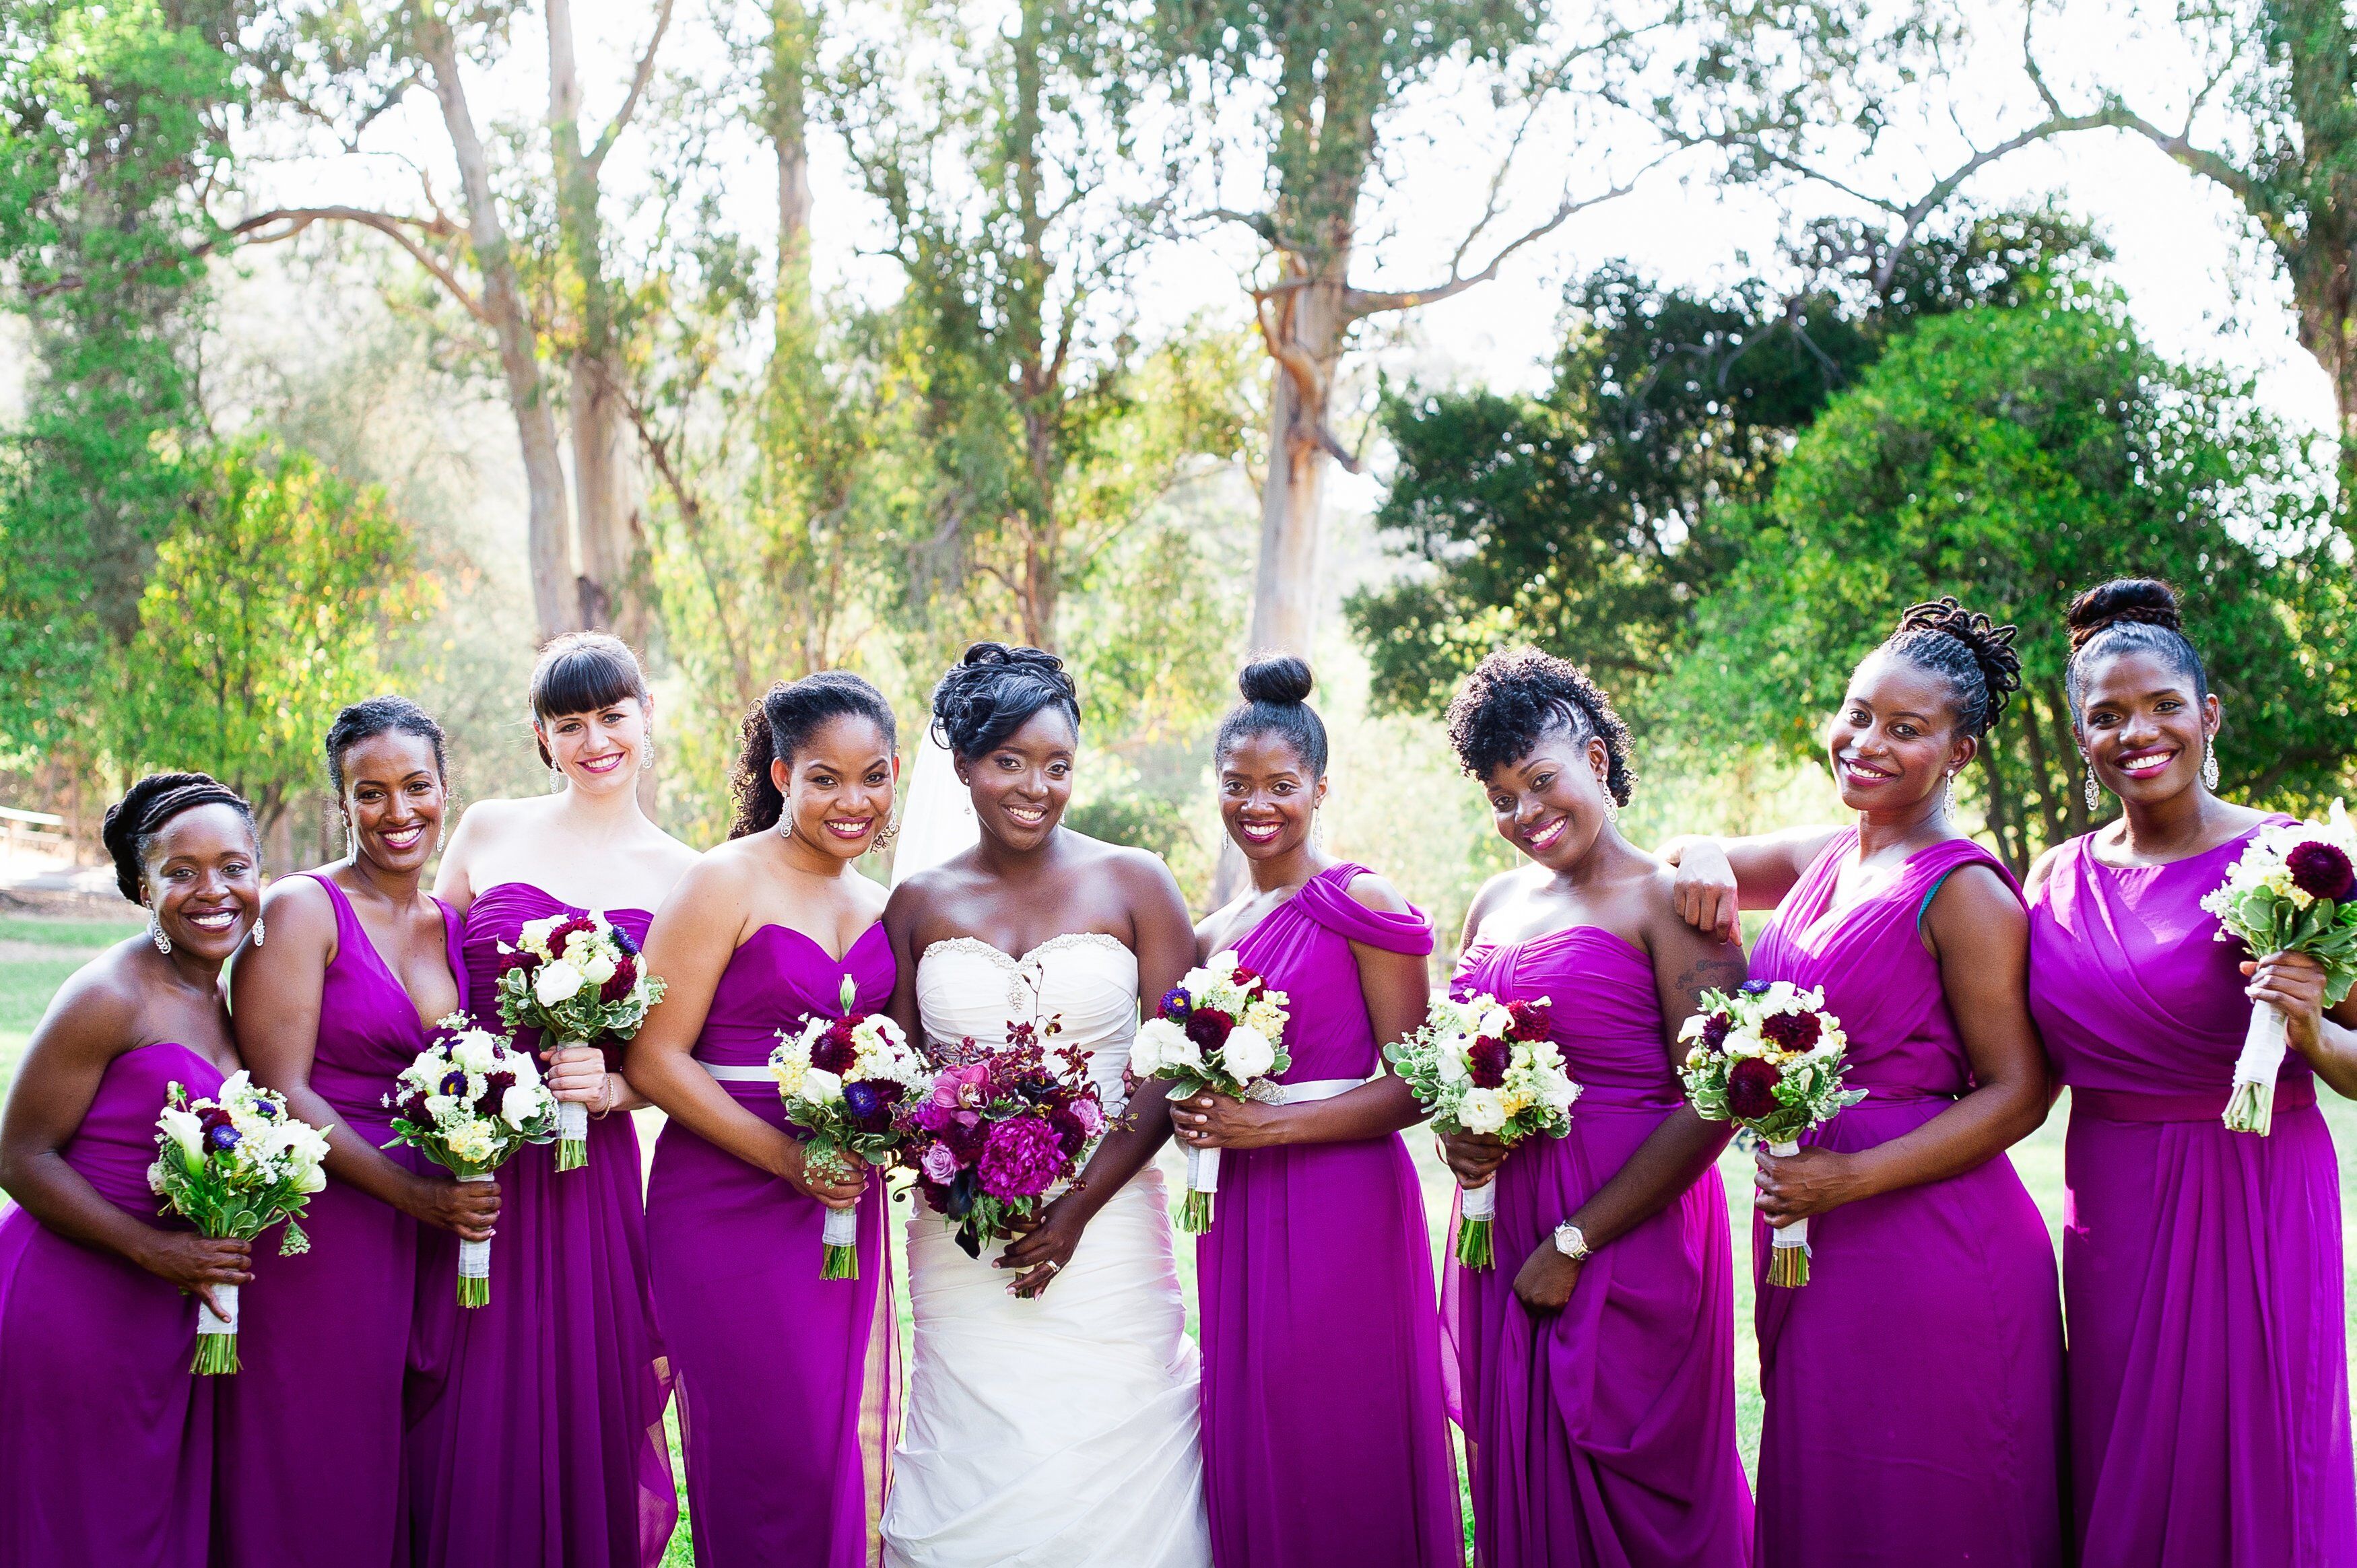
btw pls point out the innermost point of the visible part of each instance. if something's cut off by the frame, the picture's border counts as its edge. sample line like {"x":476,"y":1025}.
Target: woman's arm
{"x":1980,"y":934}
{"x":85,"y":1028}
{"x":2294,"y":984}
{"x":694,"y":935}
{"x":1720,"y":878}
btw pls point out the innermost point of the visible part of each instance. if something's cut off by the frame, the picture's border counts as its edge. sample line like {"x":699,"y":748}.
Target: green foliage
{"x":2013,"y":457}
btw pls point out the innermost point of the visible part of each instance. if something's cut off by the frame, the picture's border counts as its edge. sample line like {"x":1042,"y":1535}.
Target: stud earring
{"x":155,"y":934}
{"x":259,"y":934}
{"x":2209,"y":764}
{"x":2095,"y":791}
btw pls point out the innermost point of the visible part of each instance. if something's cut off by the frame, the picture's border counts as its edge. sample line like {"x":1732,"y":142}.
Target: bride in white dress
{"x":1052,"y":1408}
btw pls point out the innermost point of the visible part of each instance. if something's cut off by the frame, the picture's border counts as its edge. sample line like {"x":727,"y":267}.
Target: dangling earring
{"x":155,"y":934}
{"x":351,"y":840}
{"x":785,"y":823}
{"x":1948,"y":800}
{"x":259,"y":934}
{"x":2095,"y":791}
{"x":1317,"y":830}
{"x":885,"y":835}
{"x":646,"y":758}
{"x":555,"y":778}
{"x":2208,"y":764}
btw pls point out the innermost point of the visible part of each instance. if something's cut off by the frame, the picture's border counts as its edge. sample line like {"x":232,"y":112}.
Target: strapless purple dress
{"x":537,"y":1436}
{"x":1325,"y":1431}
{"x":310,"y":1431}
{"x":106,"y":1438}
{"x":785,"y":1380}
{"x":1602,"y":1437}
{"x":1914,"y":1385}
{"x":2201,"y":1267}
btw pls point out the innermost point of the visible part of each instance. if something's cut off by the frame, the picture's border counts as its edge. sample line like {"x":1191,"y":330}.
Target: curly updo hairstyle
{"x":993,"y":690}
{"x":374,"y":717}
{"x":582,"y":672}
{"x":782,"y":723}
{"x":1972,"y":654}
{"x":2129,"y":615}
{"x":1277,"y":688}
{"x":133,"y":822}
{"x":1518,"y":696}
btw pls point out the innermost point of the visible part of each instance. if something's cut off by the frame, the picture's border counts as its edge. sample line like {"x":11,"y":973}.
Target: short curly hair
{"x":1516,"y":697}
{"x":1972,"y":654}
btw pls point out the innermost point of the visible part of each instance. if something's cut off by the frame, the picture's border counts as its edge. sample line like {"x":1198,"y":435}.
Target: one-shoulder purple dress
{"x":1602,"y":1437}
{"x":2201,"y":1267}
{"x":309,"y":1437}
{"x":785,"y":1380}
{"x":537,"y":1436}
{"x":1325,"y":1427}
{"x":105,"y":1436}
{"x":1914,"y":1385}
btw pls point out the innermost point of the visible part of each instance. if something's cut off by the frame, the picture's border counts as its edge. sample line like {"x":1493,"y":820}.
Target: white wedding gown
{"x":1058,"y":1430}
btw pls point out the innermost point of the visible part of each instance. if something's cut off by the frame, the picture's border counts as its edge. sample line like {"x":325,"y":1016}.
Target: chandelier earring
{"x":258,"y":932}
{"x":2209,"y":764}
{"x":155,"y":934}
{"x":885,"y":835}
{"x":646,"y":758}
{"x":555,"y":778}
{"x":1948,"y":797}
{"x":2093,"y":791}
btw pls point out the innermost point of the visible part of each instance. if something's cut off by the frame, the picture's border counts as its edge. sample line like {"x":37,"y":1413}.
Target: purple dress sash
{"x":1325,"y":1428}
{"x":310,"y":1431}
{"x":536,"y":1436}
{"x":105,"y":1435}
{"x":2201,"y":1269}
{"x":1914,"y":1385}
{"x":1603,"y":1436}
{"x":785,"y":1381}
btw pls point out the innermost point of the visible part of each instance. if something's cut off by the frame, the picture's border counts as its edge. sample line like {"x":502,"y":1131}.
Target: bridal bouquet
{"x":842,"y":1080}
{"x":1769,"y":1058}
{"x":1482,"y":1066}
{"x":469,"y":1100}
{"x":574,"y":978}
{"x":234,"y":1166}
{"x":1220,"y":1028}
{"x":994,"y":1134}
{"x":2294,"y":890}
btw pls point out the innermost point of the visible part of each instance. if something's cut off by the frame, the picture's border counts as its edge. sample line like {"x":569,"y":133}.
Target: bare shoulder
{"x":1974,"y":902}
{"x":101,"y":1004}
{"x":2041,"y":870}
{"x":869,"y":896}
{"x":1372,"y":892}
{"x":1138,"y":871}
{"x":487,"y":819}
{"x":1496,"y":893}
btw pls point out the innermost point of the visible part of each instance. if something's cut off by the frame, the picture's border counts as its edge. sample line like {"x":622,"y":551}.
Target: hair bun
{"x":146,"y":807}
{"x":1280,"y":680}
{"x":1989,"y":643}
{"x":2139,"y":599}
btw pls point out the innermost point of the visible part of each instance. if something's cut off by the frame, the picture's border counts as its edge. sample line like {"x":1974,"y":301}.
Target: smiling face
{"x":1893,"y":742}
{"x":838,"y":788}
{"x":2143,"y":727}
{"x":1268,"y":800}
{"x":1021,"y":786}
{"x":1552,"y":803}
{"x":201,"y":873}
{"x":600,"y":751}
{"x":394,"y":800}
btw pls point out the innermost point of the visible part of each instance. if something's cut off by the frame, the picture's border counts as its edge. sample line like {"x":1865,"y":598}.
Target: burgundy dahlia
{"x":1530,"y":1019}
{"x":833,"y":1053}
{"x":1071,"y":1135}
{"x":558,"y":938}
{"x":2321,"y":870}
{"x":1751,"y":1089}
{"x":1791,"y":1031}
{"x":1022,"y":1159}
{"x":1208,"y":1027}
{"x":1490,"y":1057}
{"x":618,"y":984}
{"x":1714,"y":1028}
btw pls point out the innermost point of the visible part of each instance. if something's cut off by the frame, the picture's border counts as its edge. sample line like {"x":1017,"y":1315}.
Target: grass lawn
{"x":35,"y":956}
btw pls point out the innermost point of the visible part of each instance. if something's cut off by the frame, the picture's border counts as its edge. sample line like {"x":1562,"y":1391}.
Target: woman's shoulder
{"x":101,"y":1005}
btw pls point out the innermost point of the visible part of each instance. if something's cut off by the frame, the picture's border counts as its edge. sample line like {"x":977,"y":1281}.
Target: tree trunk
{"x":791,"y":46}
{"x":1292,"y":510}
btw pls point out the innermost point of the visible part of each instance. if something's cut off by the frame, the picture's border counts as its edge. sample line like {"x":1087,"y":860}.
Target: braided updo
{"x":2129,"y":615}
{"x":133,"y":822}
{"x":1277,"y":690}
{"x":782,"y":722}
{"x":1516,"y":697}
{"x":993,"y":690}
{"x":1972,"y":654}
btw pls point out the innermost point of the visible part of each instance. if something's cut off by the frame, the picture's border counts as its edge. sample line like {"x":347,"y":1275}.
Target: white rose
{"x":312,"y":1179}
{"x":519,"y":1105}
{"x":821,"y":1087}
{"x":599,"y":968}
{"x":1247,"y":1054}
{"x":1497,"y":1023}
{"x":1151,"y":1050}
{"x":1197,"y":983}
{"x":555,"y":982}
{"x":183,"y":1128}
{"x":1482,"y":1111}
{"x":475,"y":1051}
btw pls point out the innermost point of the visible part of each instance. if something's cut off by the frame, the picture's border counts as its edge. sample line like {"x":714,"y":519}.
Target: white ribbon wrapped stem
{"x":2263,"y":1045}
{"x":206,"y":1323}
{"x":1796,"y":1234}
{"x":842,"y":1228}
{"x":1480,"y":1202}
{"x":475,"y":1257}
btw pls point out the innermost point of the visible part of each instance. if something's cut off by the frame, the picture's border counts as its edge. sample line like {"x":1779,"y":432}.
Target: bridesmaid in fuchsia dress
{"x":2202,"y":1268}
{"x":1914,"y":1385}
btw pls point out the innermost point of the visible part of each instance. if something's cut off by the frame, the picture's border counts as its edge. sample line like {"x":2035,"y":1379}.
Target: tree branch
{"x":392,"y":226}
{"x":638,"y":80}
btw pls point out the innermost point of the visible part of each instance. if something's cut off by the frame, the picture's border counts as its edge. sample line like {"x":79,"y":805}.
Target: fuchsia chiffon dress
{"x":1914,"y":1385}
{"x":1325,"y":1427}
{"x":785,"y":1380}
{"x":2202,"y":1268}
{"x":1602,"y":1437}
{"x":310,"y":1434}
{"x":105,"y":1436}
{"x":537,"y":1439}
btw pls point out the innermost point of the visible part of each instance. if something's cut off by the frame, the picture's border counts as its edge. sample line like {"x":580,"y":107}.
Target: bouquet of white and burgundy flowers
{"x":1483,"y":1065}
{"x":1769,"y":1058}
{"x":1220,"y":1028}
{"x":469,"y":1100}
{"x":842,"y":1081}
{"x":576,"y":979}
{"x":234,"y":1166}
{"x":2292,"y":890}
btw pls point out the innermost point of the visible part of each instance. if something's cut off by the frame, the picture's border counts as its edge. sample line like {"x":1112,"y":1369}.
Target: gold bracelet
{"x":607,"y":1096}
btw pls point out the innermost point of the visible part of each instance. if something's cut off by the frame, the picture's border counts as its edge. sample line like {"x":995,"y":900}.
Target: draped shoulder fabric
{"x":106,"y":1450}
{"x":1603,"y":1436}
{"x":785,"y":1381}
{"x":311,"y":1467}
{"x":536,"y":1436}
{"x":1914,"y":1385}
{"x":2201,"y":1269}
{"x":1325,"y":1429}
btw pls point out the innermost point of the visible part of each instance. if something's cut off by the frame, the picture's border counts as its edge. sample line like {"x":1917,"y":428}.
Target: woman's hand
{"x":578,"y":1072}
{"x":466,"y":1209}
{"x":1796,"y":1186}
{"x":197,"y":1263}
{"x":1214,"y":1120}
{"x":1547,"y":1277}
{"x":837,"y":1184}
{"x":2293,"y":984}
{"x":1044,"y":1249}
{"x":1474,"y":1156}
{"x":1704,"y":891}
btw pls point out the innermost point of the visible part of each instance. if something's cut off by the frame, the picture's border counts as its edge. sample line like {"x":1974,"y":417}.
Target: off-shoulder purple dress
{"x":1602,"y":1437}
{"x":2201,"y":1267}
{"x":1914,"y":1385}
{"x":1325,"y":1427}
{"x":105,"y":1436}
{"x":785,"y":1380}
{"x":310,"y":1431}
{"x":537,"y":1437}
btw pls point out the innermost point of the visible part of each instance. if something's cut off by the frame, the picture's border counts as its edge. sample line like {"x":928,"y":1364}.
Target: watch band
{"x":1571,"y":1241}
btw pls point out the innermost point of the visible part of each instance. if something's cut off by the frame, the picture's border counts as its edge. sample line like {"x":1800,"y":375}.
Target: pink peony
{"x":1089,"y":1115}
{"x":1022,"y":1159}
